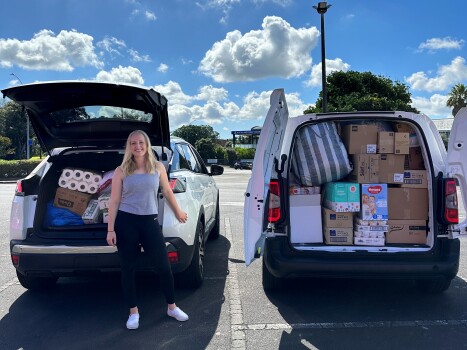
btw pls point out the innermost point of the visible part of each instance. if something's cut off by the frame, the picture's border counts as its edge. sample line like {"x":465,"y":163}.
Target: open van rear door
{"x":457,"y":161}
{"x":268,"y":148}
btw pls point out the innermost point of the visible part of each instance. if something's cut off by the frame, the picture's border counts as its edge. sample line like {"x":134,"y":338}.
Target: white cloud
{"x":446,"y":76}
{"x":210,"y":93}
{"x":283,"y":3}
{"x":136,"y":57}
{"x":162,"y":68}
{"x":331,"y":66}
{"x":224,"y":5}
{"x":276,"y":50}
{"x":446,"y":43}
{"x":150,"y":16}
{"x":173,"y":91}
{"x":47,"y":51}
{"x":121,"y":74}
{"x":434,"y":107}
{"x":112,"y":46}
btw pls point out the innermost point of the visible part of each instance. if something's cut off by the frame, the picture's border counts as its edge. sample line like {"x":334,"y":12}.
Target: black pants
{"x":135,"y":230}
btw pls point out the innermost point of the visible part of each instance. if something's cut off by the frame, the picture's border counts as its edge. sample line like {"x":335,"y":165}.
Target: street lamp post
{"x":321,"y":9}
{"x":27,"y":122}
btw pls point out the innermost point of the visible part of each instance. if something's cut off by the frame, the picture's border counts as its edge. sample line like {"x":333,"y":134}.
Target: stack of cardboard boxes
{"x":383,"y":201}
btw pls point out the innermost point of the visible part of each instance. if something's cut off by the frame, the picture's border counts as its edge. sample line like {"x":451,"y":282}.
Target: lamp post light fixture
{"x":27,"y":122}
{"x":322,"y":9}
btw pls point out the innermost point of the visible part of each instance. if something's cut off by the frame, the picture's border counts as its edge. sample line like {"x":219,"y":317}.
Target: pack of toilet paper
{"x":80,"y":180}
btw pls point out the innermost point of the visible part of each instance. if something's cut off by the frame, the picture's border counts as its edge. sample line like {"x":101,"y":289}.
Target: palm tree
{"x":457,"y":98}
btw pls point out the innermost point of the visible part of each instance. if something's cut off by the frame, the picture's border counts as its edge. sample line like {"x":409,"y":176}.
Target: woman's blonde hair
{"x":128,"y":164}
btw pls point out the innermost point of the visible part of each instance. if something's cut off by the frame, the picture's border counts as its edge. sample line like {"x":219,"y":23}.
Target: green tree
{"x":206,"y":148}
{"x":221,"y":153}
{"x":363,"y":91}
{"x":5,"y":147}
{"x":457,"y":98}
{"x":245,"y":153}
{"x":193,"y":133}
{"x":13,"y":126}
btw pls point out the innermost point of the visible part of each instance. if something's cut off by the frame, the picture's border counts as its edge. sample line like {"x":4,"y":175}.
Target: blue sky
{"x":217,"y":61}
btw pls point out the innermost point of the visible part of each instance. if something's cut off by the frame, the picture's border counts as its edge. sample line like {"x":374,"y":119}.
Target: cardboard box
{"x":105,"y":216}
{"x":391,"y":168}
{"x":92,"y":214}
{"x":369,"y":241}
{"x":365,"y":168}
{"x":401,"y":142}
{"x":75,"y":201}
{"x":407,"y":231}
{"x":386,"y":142}
{"x":305,"y":219}
{"x":415,"y":179}
{"x":342,"y":196}
{"x":374,"y":202}
{"x":414,"y":160}
{"x":360,"y":138}
{"x":403,"y":127}
{"x":336,"y":219}
{"x":104,"y":201}
{"x":360,"y":221}
{"x":338,"y":235}
{"x":370,"y":228}
{"x":405,"y":203}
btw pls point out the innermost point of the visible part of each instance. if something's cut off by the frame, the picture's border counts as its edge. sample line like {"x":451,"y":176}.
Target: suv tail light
{"x":177,"y":184}
{"x":274,"y":211}
{"x":173,"y":257}
{"x":15,"y":259}
{"x":451,"y":211}
{"x":19,"y":187}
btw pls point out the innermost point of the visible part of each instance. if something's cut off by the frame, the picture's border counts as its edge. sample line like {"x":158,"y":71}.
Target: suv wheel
{"x":433,"y":286}
{"x":193,"y":276}
{"x":216,"y":230}
{"x":270,"y":282}
{"x":36,"y":283}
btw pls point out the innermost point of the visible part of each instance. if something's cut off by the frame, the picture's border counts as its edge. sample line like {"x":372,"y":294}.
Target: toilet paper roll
{"x":78,"y":174}
{"x":92,"y":188}
{"x":96,"y":178}
{"x":67,"y":173}
{"x":83,"y":186}
{"x":72,"y":184}
{"x":87,"y":176}
{"x":63,"y":182}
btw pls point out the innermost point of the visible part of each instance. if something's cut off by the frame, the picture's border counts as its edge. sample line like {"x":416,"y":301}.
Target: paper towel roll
{"x":87,"y":176}
{"x":62,"y":182}
{"x":92,"y":188}
{"x":78,"y":174}
{"x":67,"y":173}
{"x":72,"y":184}
{"x":83,"y":186}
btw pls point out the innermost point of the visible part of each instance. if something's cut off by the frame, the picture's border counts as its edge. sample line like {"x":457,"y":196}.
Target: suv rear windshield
{"x":86,"y":113}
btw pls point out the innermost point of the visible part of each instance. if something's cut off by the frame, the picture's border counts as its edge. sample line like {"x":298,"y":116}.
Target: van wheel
{"x":270,"y":282}
{"x":193,"y":276}
{"x":433,"y":286}
{"x":35,"y":283}
{"x":216,"y":230}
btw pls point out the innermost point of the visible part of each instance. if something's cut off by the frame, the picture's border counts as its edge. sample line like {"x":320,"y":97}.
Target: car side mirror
{"x":216,"y":169}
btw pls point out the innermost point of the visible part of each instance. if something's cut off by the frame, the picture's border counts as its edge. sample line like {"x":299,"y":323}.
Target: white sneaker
{"x":178,"y":314}
{"x":133,"y":321}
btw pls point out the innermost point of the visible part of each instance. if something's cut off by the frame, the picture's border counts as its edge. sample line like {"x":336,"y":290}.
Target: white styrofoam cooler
{"x":305,"y":219}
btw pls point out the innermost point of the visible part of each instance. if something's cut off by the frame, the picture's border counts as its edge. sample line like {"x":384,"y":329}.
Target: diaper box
{"x":374,"y":202}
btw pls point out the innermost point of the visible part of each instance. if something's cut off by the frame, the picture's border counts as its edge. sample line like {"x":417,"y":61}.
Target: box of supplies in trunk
{"x":72,"y":200}
{"x":92,"y":215}
{"x":305,"y":218}
{"x":342,"y":196}
{"x":338,"y":235}
{"x":407,"y":231}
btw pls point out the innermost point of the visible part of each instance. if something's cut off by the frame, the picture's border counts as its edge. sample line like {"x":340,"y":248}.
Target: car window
{"x":179,"y":161}
{"x":191,"y":158}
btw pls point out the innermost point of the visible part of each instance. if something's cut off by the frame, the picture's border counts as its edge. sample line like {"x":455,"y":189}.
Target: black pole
{"x":323,"y":66}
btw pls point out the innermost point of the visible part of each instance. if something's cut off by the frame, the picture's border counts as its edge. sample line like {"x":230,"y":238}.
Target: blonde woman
{"x":133,"y":221}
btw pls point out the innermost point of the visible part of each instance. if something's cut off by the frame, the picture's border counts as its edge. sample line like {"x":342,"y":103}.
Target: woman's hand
{"x":111,"y":238}
{"x":181,"y":216}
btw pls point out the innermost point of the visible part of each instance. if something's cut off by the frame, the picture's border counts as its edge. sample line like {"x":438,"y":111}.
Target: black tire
{"x":270,"y":282}
{"x":193,"y":276}
{"x":35,"y":283}
{"x":216,"y":230}
{"x":433,"y":286}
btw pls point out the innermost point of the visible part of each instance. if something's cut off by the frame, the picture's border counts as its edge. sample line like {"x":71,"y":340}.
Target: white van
{"x":301,"y":214}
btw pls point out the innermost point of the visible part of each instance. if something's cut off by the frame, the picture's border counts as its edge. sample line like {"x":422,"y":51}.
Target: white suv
{"x":84,"y":125}
{"x":298,"y":221}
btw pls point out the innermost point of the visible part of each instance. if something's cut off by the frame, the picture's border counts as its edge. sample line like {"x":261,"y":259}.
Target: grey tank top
{"x":139,"y":194}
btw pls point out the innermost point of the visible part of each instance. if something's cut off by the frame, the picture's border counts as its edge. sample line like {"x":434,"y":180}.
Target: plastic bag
{"x":61,"y":217}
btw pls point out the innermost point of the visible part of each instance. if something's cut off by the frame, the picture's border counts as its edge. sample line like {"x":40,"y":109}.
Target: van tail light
{"x":274,"y":211}
{"x":19,"y":187}
{"x":177,"y":184}
{"x":451,"y":211}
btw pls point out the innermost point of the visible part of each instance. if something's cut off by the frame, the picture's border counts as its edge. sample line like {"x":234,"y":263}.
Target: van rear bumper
{"x":283,"y":261}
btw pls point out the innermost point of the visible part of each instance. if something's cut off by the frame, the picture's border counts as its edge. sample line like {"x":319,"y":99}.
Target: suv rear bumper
{"x":69,"y":260}
{"x":282,"y":261}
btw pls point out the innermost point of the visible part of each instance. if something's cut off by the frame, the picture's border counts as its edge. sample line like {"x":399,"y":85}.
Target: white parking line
{"x":237,"y":204}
